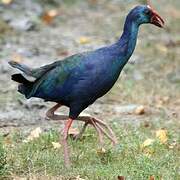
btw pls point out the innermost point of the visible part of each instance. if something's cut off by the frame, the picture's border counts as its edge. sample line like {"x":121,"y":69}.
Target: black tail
{"x":20,"y":79}
{"x":25,"y":86}
{"x":21,"y":67}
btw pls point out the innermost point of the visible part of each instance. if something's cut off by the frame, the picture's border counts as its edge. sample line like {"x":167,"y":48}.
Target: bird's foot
{"x":101,"y":127}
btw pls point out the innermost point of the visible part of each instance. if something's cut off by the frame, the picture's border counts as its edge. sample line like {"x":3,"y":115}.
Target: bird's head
{"x":146,"y":14}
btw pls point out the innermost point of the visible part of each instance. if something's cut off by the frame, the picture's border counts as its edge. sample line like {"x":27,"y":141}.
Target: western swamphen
{"x":78,"y":80}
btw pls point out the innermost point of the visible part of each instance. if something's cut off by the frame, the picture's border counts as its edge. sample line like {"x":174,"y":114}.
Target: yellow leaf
{"x":56,"y":145}
{"x":34,"y":134}
{"x":162,"y":48}
{"x":79,"y":178}
{"x":162,"y":135}
{"x":6,"y":1}
{"x":84,"y":40}
{"x":147,"y":142}
{"x":53,"y":12}
{"x":148,"y":152}
{"x":101,"y":151}
{"x":17,"y":57}
{"x":172,"y":145}
{"x":19,"y":178}
{"x":140,"y":110}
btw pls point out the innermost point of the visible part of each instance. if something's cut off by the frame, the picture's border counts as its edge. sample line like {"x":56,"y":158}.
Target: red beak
{"x":156,"y":19}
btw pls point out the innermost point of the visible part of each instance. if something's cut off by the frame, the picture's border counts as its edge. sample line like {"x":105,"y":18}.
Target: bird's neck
{"x":127,"y":41}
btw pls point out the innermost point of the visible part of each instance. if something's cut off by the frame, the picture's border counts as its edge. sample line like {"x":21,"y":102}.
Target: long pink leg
{"x":88,"y":120}
{"x":64,"y":142}
{"x":50,"y":113}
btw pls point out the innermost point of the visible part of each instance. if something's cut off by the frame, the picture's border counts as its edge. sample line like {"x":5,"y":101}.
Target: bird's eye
{"x":147,"y":12}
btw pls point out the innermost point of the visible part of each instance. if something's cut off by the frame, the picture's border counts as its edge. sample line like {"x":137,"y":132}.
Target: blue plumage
{"x":79,"y":80}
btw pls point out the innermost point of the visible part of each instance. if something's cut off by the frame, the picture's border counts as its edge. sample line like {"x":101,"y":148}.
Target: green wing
{"x":68,"y":62}
{"x":48,"y":75}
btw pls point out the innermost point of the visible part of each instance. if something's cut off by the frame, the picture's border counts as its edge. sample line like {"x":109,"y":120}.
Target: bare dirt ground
{"x":151,"y":79}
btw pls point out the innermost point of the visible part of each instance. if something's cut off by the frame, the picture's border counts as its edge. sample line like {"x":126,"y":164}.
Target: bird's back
{"x":84,"y":76}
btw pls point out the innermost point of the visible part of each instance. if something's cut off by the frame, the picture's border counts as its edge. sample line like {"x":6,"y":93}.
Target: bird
{"x":79,"y":80}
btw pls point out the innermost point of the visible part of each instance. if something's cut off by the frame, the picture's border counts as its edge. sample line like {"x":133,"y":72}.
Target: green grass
{"x":3,"y":159}
{"x":38,"y":157}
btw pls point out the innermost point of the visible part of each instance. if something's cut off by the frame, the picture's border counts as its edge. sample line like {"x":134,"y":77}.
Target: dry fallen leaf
{"x":121,"y":178}
{"x":148,"y":152}
{"x":147,"y":124}
{"x":49,"y":16}
{"x":19,"y":178}
{"x":79,"y":178}
{"x":56,"y":145}
{"x":101,"y":151}
{"x":6,"y":2}
{"x":172,"y":145}
{"x":34,"y":134}
{"x":162,"y":135}
{"x":162,"y":48}
{"x":140,"y":110}
{"x":161,"y":101}
{"x":84,"y":40}
{"x":16,"y":57}
{"x":151,"y":178}
{"x":165,"y":99}
{"x":147,"y":142}
{"x":8,"y":141}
